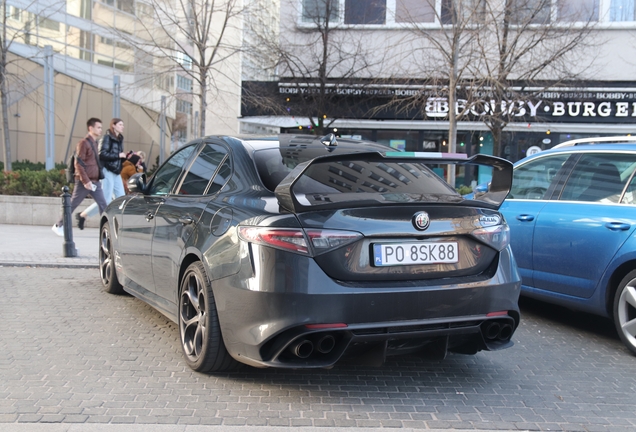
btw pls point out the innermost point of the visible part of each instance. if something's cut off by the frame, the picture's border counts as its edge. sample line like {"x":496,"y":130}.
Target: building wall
{"x":89,"y":48}
{"x":26,"y":116}
{"x":398,"y":50}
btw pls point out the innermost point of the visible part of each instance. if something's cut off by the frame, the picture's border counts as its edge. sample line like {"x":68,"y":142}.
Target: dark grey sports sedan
{"x":297,"y":252}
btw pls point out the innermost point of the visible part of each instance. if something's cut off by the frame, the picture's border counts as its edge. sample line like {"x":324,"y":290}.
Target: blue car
{"x":572,"y":217}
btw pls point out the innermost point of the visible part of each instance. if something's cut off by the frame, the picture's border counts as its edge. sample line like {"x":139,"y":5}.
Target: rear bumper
{"x":264,"y":314}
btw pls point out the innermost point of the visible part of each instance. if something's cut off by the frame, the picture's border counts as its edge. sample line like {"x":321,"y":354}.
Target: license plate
{"x":394,"y":254}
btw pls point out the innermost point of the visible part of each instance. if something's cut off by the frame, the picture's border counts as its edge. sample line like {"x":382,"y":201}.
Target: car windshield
{"x":355,"y":180}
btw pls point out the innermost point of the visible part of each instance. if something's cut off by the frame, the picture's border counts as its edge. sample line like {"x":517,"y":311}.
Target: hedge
{"x":33,"y":183}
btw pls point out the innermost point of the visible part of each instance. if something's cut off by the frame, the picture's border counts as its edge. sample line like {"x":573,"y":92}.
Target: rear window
{"x":356,"y":180}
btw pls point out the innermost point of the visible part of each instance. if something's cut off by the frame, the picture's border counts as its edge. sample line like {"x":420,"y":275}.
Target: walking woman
{"x":111,"y":155}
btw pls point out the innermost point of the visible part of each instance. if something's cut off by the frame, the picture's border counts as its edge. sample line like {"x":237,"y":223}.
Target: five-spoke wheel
{"x":625,"y":311}
{"x":199,"y":328}
{"x":106,"y":262}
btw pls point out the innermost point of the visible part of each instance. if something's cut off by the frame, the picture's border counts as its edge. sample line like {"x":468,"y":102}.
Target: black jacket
{"x":109,"y":148}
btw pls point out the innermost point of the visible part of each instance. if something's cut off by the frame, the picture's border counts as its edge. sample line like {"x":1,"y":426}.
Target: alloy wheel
{"x":626,"y":314}
{"x":193,"y":316}
{"x":105,"y":257}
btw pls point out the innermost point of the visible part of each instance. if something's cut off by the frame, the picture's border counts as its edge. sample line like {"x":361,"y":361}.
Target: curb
{"x":47,"y":265}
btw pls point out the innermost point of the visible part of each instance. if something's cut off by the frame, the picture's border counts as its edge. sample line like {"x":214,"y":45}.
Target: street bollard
{"x":69,"y":246}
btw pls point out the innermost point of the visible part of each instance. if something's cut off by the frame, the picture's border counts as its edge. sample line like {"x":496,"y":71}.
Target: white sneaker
{"x":59,"y":230}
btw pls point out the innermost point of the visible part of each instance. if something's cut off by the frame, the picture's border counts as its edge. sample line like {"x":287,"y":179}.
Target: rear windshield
{"x":357,"y":180}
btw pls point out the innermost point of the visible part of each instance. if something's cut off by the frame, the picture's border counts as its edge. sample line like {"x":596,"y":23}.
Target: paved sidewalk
{"x":34,"y":245}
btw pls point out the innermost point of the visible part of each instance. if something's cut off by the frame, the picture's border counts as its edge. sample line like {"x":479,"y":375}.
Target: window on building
{"x":622,"y":10}
{"x":365,"y":12}
{"x":184,"y":60}
{"x":315,"y":11}
{"x":184,"y":106}
{"x":456,"y":11}
{"x":49,"y":24}
{"x":184,"y":83}
{"x":15,"y":13}
{"x":530,"y":11}
{"x":577,"y":10}
{"x":164,"y":82}
{"x":414,"y":11}
{"x":126,"y":6}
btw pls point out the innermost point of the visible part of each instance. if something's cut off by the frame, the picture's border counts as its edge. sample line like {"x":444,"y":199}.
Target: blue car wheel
{"x":625,"y":311}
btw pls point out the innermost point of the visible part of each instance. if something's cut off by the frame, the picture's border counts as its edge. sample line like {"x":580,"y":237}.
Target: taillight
{"x":281,"y":238}
{"x":497,"y":236}
{"x":296,"y":239}
{"x":324,"y":240}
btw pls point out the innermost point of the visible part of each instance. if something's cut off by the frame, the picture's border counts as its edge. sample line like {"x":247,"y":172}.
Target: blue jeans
{"x":112,"y":186}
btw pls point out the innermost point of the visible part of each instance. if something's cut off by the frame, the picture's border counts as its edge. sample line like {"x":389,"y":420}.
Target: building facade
{"x":589,"y":90}
{"x":109,"y":57}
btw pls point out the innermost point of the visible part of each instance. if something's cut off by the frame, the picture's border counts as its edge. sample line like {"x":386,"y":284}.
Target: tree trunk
{"x":452,"y":117}
{"x":3,"y":91}
{"x":5,"y":125}
{"x":203,"y":101}
{"x":496,"y":130}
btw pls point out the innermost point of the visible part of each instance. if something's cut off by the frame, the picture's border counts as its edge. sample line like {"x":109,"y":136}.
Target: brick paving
{"x":36,"y":245}
{"x":70,"y":353}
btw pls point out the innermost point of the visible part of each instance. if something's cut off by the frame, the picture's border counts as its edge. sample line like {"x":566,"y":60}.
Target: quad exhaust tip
{"x":304,"y":348}
{"x":497,"y":331}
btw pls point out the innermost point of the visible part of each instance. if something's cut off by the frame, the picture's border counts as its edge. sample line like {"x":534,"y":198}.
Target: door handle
{"x":617,"y":226}
{"x":149,"y":216}
{"x":186,"y":220}
{"x":525,"y":217}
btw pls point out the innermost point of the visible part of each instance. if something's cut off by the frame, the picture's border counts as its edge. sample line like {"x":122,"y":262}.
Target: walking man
{"x":111,"y":155}
{"x":87,"y":172}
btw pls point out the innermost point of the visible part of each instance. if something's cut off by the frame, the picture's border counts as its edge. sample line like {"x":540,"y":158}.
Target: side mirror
{"x":137,"y":183}
{"x":481,"y":189}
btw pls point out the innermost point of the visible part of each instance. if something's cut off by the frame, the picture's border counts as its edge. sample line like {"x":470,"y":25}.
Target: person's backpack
{"x":70,"y":168}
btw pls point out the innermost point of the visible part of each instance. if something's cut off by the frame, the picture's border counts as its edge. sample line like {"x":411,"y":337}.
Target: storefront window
{"x":400,"y":140}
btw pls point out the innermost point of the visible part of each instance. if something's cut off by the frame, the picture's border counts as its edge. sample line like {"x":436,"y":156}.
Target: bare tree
{"x":315,"y":60}
{"x":524,"y":45}
{"x":442,"y":61}
{"x":195,"y":38}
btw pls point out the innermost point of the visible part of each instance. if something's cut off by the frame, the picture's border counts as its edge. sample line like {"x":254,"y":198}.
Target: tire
{"x":106,"y":262}
{"x":625,"y":311}
{"x":199,"y":330}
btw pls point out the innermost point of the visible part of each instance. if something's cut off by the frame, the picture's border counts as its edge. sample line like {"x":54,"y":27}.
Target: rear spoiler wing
{"x":497,"y":191}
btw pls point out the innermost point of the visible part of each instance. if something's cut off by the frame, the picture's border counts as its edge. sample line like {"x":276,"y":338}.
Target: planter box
{"x":30,"y":210}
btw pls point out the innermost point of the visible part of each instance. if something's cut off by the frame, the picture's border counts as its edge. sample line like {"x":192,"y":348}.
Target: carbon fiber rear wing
{"x":493,"y":198}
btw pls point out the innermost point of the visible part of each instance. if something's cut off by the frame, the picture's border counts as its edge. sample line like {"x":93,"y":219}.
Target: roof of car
{"x":598,"y":144}
{"x":628,"y":139}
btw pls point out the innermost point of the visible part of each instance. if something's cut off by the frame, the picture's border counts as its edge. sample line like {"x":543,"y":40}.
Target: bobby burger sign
{"x":595,"y":109}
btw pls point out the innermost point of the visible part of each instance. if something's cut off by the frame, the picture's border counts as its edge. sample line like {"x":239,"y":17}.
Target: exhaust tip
{"x":505,"y":333}
{"x":326,"y":344}
{"x":302,"y":349}
{"x":491,"y":330}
